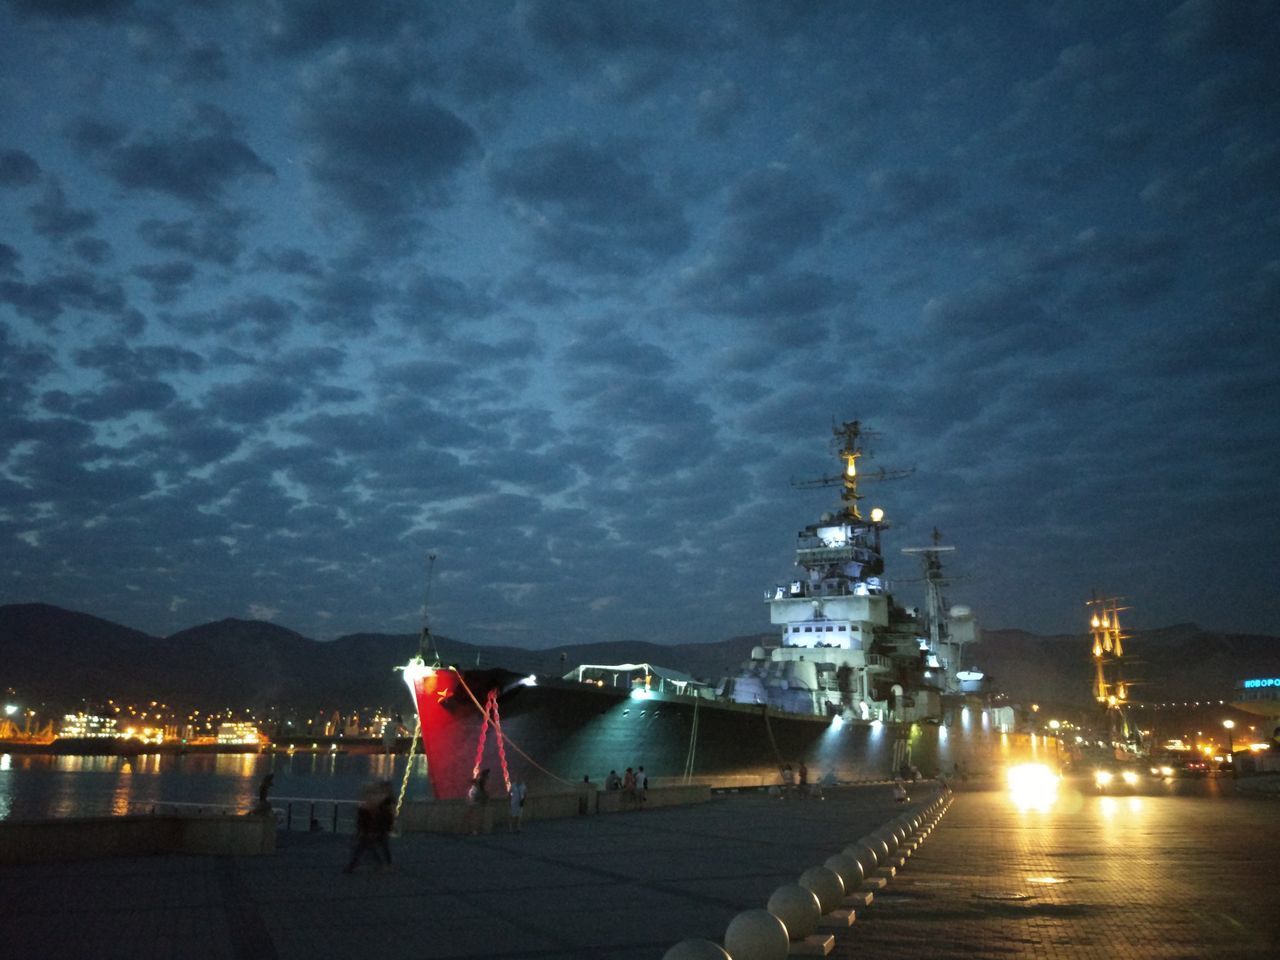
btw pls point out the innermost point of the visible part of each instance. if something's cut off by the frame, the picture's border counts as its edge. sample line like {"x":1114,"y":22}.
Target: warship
{"x":857,"y":688}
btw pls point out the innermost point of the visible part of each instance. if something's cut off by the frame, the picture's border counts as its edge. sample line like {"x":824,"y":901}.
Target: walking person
{"x":366,"y":828}
{"x":642,"y":787}
{"x":516,"y":814}
{"x":804,"y":780}
{"x":629,"y":786}
{"x":384,"y":818}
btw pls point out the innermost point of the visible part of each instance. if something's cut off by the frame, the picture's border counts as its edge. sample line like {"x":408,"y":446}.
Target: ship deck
{"x":1169,"y":874}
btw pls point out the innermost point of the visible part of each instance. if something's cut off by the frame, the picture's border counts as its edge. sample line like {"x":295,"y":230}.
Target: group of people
{"x":478,"y":798}
{"x":634,"y":784}
{"x":795,"y":782}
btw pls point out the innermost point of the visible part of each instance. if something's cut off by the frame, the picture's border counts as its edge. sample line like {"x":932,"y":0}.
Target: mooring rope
{"x":408,"y":767}
{"x":503,"y":738}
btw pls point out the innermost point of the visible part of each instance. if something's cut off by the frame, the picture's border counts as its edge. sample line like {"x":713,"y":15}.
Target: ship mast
{"x":936,"y":605}
{"x":426,"y":642}
{"x":1110,"y":688}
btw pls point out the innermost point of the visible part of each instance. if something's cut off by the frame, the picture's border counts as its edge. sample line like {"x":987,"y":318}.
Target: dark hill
{"x":61,"y":657}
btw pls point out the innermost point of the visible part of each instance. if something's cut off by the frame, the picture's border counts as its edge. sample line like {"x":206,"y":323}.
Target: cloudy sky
{"x":295,"y":294}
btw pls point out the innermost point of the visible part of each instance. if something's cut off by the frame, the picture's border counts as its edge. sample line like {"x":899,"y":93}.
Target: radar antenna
{"x":849,"y":434}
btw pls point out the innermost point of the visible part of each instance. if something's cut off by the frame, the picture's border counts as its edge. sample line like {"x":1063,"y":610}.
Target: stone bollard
{"x":696,"y":950}
{"x":848,"y":868}
{"x":825,"y":884}
{"x":866,"y":854}
{"x":756,"y":935}
{"x":797,"y":908}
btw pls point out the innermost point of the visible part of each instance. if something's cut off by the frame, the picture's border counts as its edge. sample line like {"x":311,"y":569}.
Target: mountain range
{"x":62,"y":657}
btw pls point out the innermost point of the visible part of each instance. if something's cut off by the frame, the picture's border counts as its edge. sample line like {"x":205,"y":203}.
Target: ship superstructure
{"x":847,"y":649}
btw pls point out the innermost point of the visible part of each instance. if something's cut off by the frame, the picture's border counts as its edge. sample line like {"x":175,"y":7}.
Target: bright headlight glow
{"x":1166,"y":771}
{"x":1032,"y":786}
{"x":1102,"y":777}
{"x":1130,"y":777}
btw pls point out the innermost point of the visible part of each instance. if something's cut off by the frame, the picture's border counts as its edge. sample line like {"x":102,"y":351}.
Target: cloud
{"x":770,"y":215}
{"x":45,"y":300}
{"x":215,"y":238}
{"x":717,"y":108}
{"x":996,"y":321}
{"x":591,"y":204}
{"x":118,"y":360}
{"x":251,"y":318}
{"x":92,"y":250}
{"x":252,"y":401}
{"x":290,"y":260}
{"x":53,"y":218}
{"x":602,"y":345}
{"x":9,"y":258}
{"x":18,"y":169}
{"x":378,"y":138}
{"x":772,"y":218}
{"x":188,"y":440}
{"x":581,"y":29}
{"x":902,"y":195}
{"x":204,"y":63}
{"x":1200,"y":27}
{"x":431,"y":300}
{"x":22,"y":365}
{"x":294,"y":28}
{"x":485,"y":73}
{"x":112,"y":402}
{"x":159,"y":41}
{"x":167,"y":279}
{"x":72,"y":9}
{"x":197,"y":164}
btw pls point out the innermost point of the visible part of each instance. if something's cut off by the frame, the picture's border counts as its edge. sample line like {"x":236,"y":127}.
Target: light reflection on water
{"x":35,"y":785}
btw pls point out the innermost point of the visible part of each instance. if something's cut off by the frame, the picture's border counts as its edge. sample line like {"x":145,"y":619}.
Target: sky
{"x":569,"y":294}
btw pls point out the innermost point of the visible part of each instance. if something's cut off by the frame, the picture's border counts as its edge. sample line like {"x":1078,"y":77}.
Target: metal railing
{"x":167,"y":807}
{"x":291,"y":813}
{"x":315,"y":814}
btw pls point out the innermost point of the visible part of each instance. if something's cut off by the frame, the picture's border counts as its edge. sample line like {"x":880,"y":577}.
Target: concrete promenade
{"x":1162,"y":876}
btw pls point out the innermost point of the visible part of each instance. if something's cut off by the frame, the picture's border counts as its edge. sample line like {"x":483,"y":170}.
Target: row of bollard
{"x":824,"y":898}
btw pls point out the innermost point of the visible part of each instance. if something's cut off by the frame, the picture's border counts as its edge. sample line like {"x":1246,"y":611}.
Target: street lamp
{"x":1231,"y":753}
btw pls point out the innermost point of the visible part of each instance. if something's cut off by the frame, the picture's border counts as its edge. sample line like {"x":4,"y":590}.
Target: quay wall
{"x":89,"y":838}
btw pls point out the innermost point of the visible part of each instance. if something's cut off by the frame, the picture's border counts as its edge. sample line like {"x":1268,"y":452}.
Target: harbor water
{"x":34,"y":786}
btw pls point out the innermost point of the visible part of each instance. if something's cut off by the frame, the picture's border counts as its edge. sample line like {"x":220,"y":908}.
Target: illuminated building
{"x":237,"y":734}
{"x":84,"y":725}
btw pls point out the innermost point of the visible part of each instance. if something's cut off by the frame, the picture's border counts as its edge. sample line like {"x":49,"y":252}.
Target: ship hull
{"x":557,"y":732}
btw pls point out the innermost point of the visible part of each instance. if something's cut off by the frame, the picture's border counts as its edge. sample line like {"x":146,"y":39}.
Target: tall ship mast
{"x":1110,"y":686}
